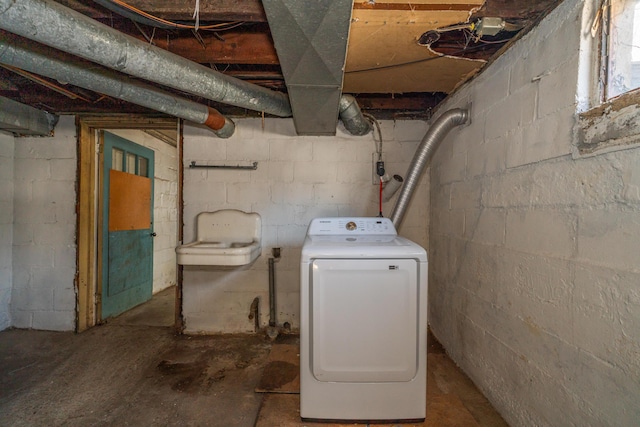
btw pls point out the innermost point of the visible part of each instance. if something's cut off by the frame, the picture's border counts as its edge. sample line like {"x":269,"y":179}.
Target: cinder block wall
{"x":44,"y":228}
{"x":298,"y":179}
{"x":534,"y":254}
{"x":165,"y":210}
{"x":6,"y":227}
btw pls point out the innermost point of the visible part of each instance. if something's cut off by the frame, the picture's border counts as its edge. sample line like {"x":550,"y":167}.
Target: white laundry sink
{"x":226,"y":237}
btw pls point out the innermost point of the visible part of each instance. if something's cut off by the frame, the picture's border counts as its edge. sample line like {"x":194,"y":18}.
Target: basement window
{"x":621,"y":47}
{"x":611,"y":119}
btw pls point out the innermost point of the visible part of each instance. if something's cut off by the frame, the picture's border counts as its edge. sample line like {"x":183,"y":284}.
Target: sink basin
{"x":225,"y":237}
{"x":218,"y":253}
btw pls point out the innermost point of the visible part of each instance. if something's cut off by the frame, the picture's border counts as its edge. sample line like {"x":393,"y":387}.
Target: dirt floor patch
{"x":282,"y":372}
{"x":196,"y":364}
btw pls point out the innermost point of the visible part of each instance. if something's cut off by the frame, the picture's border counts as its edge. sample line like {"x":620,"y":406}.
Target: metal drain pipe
{"x":273,"y":330}
{"x":436,"y":133}
{"x":15,"y":54}
{"x":50,"y":23}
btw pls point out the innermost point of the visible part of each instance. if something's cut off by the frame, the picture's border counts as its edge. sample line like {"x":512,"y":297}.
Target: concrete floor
{"x":136,"y":371}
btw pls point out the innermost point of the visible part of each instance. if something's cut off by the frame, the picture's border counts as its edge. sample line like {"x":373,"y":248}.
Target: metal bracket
{"x":253,"y":167}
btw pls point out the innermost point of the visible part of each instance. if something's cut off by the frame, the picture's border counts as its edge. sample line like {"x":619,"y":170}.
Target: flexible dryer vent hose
{"x":436,"y":133}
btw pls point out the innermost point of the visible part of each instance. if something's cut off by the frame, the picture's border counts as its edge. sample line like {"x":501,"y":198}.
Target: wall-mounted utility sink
{"x":224,"y":237}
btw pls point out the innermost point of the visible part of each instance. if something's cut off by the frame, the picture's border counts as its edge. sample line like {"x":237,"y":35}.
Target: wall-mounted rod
{"x":253,"y":167}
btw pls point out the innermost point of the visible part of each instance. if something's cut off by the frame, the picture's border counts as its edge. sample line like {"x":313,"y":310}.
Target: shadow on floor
{"x":135,"y":370}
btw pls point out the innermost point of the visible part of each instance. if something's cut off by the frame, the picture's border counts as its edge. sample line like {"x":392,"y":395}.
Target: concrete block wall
{"x":6,"y":227}
{"x":44,"y":228}
{"x":298,"y":179}
{"x":165,"y":210}
{"x":534,"y":253}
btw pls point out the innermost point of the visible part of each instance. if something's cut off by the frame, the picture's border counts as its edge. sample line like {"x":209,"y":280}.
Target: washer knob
{"x":351,"y":226}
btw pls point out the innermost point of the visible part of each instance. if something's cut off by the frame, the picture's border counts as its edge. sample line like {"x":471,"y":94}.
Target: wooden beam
{"x":520,"y":10}
{"x":414,"y":7}
{"x":210,"y":10}
{"x":409,"y":102}
{"x":237,"y":48}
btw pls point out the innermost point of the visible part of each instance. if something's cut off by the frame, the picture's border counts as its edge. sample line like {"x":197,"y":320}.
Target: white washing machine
{"x":363,"y":322}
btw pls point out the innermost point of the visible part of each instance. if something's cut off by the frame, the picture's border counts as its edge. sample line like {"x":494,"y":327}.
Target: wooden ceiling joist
{"x":235,"y":48}
{"x":182,"y":10}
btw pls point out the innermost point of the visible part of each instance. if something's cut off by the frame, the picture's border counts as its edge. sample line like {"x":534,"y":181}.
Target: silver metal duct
{"x":311,"y":40}
{"x":57,"y":26}
{"x":21,"y":119}
{"x":351,"y":116}
{"x":436,"y":133}
{"x":115,"y":85}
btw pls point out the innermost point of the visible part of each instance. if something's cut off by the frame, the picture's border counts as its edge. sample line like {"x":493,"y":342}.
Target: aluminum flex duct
{"x":16,"y":54}
{"x":50,"y":23}
{"x":436,"y":133}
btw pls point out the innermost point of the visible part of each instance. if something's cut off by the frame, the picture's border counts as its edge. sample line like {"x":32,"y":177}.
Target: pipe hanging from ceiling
{"x":60,"y":27}
{"x":430,"y":142}
{"x":117,"y":86}
{"x":352,"y":117}
{"x":21,"y":119}
{"x":55,"y":25}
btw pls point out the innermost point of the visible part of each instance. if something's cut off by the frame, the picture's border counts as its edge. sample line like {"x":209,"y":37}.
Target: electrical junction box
{"x":375,"y":178}
{"x":489,"y":26}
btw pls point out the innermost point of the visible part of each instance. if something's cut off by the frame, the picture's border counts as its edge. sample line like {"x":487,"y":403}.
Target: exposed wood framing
{"x":235,"y":48}
{"x":211,"y":10}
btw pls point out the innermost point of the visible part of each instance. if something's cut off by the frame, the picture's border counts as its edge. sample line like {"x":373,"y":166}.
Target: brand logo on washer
{"x":393,"y":267}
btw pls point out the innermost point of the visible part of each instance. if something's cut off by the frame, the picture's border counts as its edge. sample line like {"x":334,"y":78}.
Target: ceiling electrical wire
{"x":432,"y":58}
{"x":379,"y":142}
{"x":122,"y":8}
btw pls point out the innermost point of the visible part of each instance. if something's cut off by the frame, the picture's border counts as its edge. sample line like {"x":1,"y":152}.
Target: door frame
{"x":88,"y":275}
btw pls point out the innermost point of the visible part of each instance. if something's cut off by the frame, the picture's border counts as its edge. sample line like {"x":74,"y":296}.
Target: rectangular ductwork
{"x":311,"y":42}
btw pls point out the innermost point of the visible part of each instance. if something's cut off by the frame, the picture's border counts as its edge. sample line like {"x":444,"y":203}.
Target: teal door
{"x":127,"y":225}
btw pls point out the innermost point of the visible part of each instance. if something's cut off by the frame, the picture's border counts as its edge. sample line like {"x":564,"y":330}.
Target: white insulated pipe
{"x":430,"y":142}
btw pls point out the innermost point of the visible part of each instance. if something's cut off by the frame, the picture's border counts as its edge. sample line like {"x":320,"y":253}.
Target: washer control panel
{"x":356,"y":226}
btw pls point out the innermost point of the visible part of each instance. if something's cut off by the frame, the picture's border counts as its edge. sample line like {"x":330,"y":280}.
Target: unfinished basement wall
{"x":298,"y":179}
{"x":534,"y":253}
{"x":44,"y":228}
{"x":165,"y":205}
{"x":6,"y":227}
